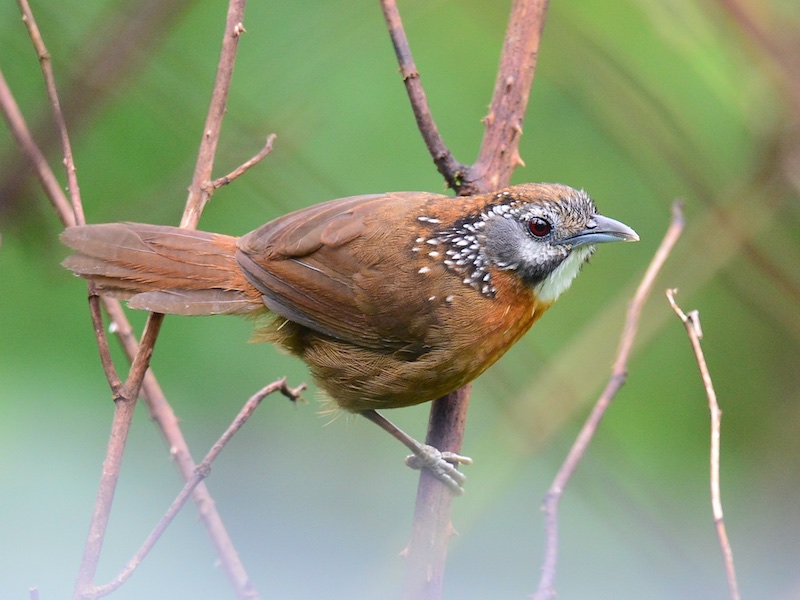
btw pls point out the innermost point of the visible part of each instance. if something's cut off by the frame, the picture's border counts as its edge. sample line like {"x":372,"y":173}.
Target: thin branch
{"x":241,"y":169}
{"x":55,"y":105}
{"x":109,"y":369}
{"x":126,"y":394}
{"x":692,"y":323}
{"x":19,"y":129}
{"x":167,"y":422}
{"x":124,"y":404}
{"x":202,"y":471}
{"x":199,"y":194}
{"x":200,"y":191}
{"x":452,"y":170}
{"x":123,"y":38}
{"x":546,"y":588}
{"x":120,"y":326}
{"x":124,"y":401}
{"x":69,"y":216}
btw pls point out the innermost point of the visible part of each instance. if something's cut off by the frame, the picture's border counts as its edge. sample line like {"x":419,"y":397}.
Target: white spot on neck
{"x":561,"y":278}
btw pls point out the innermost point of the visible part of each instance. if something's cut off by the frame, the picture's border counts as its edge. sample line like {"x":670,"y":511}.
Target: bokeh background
{"x":640,"y":102}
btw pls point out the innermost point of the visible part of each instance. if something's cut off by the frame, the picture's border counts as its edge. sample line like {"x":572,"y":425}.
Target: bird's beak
{"x":601,"y":229}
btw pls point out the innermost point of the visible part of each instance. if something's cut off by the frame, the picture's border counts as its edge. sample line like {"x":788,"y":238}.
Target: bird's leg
{"x":441,"y":464}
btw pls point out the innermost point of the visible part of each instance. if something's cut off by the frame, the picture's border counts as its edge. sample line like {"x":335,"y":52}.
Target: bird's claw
{"x":441,"y":465}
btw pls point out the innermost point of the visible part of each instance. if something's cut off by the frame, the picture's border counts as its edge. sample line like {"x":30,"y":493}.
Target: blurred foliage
{"x":638,"y":101}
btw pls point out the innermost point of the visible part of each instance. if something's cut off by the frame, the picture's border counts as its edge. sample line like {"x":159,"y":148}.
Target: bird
{"x":391,"y":299}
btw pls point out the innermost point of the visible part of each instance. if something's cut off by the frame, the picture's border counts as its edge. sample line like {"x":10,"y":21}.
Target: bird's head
{"x":542,"y":232}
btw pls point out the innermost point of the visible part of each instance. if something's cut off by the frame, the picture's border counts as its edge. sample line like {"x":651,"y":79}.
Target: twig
{"x":692,"y":323}
{"x":20,"y":131}
{"x":546,"y":588}
{"x":55,"y":105}
{"x":122,"y":40}
{"x":167,"y":422}
{"x":200,"y":190}
{"x":241,"y":169}
{"x":124,"y":402}
{"x":160,"y":409}
{"x":126,"y":397}
{"x":202,"y":471}
{"x":452,"y":170}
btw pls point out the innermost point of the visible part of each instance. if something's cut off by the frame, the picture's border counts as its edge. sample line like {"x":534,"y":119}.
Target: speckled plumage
{"x":391,"y":299}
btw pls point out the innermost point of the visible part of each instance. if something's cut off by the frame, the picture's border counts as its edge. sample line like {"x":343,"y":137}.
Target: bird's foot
{"x":442,"y":465}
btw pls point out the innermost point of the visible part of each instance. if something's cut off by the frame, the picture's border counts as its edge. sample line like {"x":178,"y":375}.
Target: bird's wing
{"x":337,"y":269}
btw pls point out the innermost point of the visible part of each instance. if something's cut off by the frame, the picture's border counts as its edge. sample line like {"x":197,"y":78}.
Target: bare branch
{"x":127,"y":393}
{"x":241,"y":169}
{"x":426,"y":554}
{"x":123,"y":38}
{"x":427,"y":549}
{"x":546,"y":588}
{"x":200,"y":189}
{"x":692,"y":323}
{"x":202,"y":471}
{"x":55,"y":105}
{"x":21,"y":133}
{"x":452,"y":170}
{"x":499,"y":154}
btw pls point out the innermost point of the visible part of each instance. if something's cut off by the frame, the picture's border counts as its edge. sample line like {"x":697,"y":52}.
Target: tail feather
{"x":162,"y":269}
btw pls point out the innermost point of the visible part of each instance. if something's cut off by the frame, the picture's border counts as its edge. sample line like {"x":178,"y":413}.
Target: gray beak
{"x":601,"y":229}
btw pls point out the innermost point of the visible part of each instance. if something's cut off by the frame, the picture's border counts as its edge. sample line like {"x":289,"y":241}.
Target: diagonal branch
{"x":452,"y":170}
{"x":126,"y":394}
{"x":200,"y":189}
{"x":619,"y":373}
{"x":55,"y":105}
{"x":692,"y":323}
{"x":202,"y":471}
{"x":22,"y":135}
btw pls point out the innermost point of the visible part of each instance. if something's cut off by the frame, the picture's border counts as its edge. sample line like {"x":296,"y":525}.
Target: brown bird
{"x":391,"y":299}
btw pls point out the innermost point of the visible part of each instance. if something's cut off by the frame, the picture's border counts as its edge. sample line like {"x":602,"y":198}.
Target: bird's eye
{"x":539,"y":227}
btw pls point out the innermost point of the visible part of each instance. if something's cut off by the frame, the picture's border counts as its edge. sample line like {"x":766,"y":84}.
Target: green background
{"x":639,"y":102}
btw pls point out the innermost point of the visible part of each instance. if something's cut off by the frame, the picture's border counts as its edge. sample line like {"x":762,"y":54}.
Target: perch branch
{"x":546,"y":588}
{"x":427,"y":549}
{"x":426,"y":554}
{"x":692,"y":323}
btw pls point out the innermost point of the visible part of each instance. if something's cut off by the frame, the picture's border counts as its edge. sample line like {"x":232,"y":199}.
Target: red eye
{"x":539,"y":227}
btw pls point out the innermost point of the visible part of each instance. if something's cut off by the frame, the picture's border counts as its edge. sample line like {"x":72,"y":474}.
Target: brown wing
{"x":336,"y":269}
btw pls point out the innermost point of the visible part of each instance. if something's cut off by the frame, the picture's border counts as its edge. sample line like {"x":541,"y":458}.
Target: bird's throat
{"x":560,"y":278}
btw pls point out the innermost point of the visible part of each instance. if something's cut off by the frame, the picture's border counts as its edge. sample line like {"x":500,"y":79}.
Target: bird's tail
{"x":162,"y":269}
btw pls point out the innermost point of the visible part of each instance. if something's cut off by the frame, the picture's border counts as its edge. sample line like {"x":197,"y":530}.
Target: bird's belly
{"x":359,"y":379}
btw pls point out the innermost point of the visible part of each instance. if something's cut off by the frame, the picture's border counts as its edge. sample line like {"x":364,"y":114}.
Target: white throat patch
{"x":561,"y":278}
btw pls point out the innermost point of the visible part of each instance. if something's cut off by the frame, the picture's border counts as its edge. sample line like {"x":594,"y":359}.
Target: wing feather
{"x":317,"y":267}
